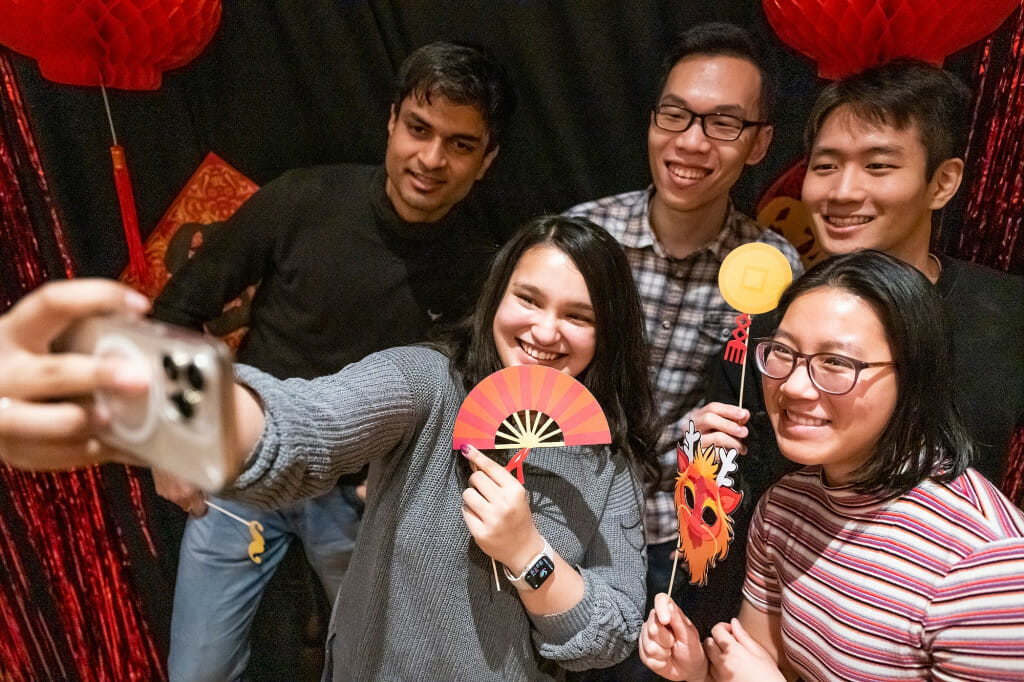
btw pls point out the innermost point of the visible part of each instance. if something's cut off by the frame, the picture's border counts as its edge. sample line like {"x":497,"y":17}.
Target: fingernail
{"x":465,"y":448}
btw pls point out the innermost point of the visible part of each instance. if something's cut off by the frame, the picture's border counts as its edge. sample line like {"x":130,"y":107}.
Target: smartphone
{"x":185,"y":423}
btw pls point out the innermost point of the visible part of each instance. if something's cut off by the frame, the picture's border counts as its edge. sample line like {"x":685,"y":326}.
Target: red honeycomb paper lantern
{"x":125,"y":44}
{"x":847,"y":36}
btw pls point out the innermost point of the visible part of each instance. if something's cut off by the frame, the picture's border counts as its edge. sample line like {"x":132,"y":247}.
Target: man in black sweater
{"x":347,"y":260}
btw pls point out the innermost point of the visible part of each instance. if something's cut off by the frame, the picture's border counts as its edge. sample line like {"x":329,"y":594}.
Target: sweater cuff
{"x":559,"y":628}
{"x":255,"y":467}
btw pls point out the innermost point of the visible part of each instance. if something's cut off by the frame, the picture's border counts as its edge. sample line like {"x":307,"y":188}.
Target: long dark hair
{"x":618,"y":373}
{"x":925,"y":437}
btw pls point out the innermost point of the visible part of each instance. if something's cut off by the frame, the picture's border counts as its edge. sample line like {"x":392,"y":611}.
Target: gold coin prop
{"x":753,"y":276}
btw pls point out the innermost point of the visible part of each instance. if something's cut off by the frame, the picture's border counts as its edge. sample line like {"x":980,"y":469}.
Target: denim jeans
{"x":218,"y":588}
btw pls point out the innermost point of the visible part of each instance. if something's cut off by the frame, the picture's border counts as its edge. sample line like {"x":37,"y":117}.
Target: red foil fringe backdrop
{"x":993,"y":234}
{"x":22,"y":262}
{"x":125,"y":44}
{"x":67,"y":605}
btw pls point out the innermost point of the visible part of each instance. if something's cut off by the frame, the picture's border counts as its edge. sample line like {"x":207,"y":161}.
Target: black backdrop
{"x":286,"y":84}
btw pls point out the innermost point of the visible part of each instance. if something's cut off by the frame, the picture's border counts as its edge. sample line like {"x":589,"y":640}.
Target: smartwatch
{"x":538,"y":569}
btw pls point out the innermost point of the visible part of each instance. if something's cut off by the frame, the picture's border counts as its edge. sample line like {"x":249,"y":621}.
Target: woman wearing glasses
{"x":884,"y":556}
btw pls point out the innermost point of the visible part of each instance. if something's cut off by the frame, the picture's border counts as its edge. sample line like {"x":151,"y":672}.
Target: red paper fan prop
{"x":125,"y":44}
{"x":529,"y":406}
{"x":526,"y":407}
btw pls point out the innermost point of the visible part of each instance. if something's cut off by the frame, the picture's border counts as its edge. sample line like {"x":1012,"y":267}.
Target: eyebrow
{"x":836,"y":347}
{"x":574,"y":305}
{"x":879,"y":150}
{"x":413,"y":117}
{"x":731,"y":109}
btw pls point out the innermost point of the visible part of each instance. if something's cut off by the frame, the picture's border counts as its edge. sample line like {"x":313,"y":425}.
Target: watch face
{"x":539,"y":572}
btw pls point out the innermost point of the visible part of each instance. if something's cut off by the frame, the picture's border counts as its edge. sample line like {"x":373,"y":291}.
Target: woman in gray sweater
{"x":419,"y":599}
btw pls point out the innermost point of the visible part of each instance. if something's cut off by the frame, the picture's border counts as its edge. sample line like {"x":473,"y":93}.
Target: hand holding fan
{"x":526,"y":407}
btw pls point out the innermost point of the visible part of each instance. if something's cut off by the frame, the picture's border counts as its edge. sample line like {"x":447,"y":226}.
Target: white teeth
{"x":849,"y":221}
{"x":537,"y":354}
{"x":687,"y":173}
{"x":802,"y":420}
{"x":425,"y":179}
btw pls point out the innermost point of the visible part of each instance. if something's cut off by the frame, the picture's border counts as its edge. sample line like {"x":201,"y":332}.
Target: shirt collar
{"x":640,"y":234}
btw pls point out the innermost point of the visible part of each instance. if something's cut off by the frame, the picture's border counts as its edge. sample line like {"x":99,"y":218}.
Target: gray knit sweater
{"x":418,"y":601}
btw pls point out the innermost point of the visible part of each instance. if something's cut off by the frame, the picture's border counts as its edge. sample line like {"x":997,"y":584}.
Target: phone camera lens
{"x":170,"y":367}
{"x":185,"y":407}
{"x":195,"y":377}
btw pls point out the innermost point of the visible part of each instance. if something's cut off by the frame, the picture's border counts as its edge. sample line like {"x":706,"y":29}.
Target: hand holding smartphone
{"x":184,"y":424}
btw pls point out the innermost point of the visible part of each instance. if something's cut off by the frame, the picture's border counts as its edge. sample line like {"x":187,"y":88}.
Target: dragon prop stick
{"x":704,"y":500}
{"x":525,"y":407}
{"x":751,"y":279}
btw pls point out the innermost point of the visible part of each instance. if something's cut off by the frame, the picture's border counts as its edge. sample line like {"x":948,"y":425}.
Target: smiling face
{"x":866,"y":188}
{"x":436,"y":150}
{"x":545,"y":316}
{"x":838,"y":432}
{"x":692,"y":172}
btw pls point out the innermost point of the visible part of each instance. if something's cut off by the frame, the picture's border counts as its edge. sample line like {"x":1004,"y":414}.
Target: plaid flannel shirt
{"x":687,"y":320}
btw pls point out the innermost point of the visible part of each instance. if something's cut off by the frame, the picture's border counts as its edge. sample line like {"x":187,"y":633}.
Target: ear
{"x":730,"y":499}
{"x":392,"y":120}
{"x":762,"y":139}
{"x":945,"y":182}
{"x":682,"y":459}
{"x":488,"y":160}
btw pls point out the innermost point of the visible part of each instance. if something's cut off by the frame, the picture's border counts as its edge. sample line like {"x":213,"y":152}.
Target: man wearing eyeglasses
{"x":710,"y":121}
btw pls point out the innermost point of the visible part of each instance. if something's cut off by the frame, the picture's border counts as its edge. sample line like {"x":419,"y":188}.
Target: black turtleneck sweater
{"x":340,"y":274}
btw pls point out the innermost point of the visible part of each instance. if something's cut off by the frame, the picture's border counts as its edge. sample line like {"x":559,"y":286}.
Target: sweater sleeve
{"x":232,"y":257}
{"x":603,"y":628}
{"x":317,"y":430}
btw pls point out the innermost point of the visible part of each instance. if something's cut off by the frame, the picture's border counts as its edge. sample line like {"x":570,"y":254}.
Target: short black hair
{"x":464,"y":74}
{"x":721,"y":39}
{"x":901,"y":93}
{"x":925,"y":436}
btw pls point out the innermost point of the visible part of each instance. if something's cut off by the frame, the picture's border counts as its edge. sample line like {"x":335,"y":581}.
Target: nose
{"x":846,"y":186}
{"x":798,"y":384}
{"x":431,"y":153}
{"x":693,"y":138}
{"x":545,"y":330}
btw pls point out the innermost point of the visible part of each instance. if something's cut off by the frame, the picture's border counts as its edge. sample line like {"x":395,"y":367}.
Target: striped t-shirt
{"x":929,"y":585}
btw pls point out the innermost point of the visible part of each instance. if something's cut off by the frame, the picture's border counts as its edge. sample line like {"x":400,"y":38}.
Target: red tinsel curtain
{"x":992,"y":233}
{"x":68,"y":609}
